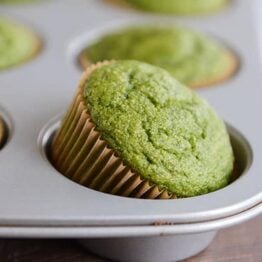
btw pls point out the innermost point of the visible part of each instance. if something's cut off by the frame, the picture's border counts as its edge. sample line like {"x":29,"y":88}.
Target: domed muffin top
{"x":161,"y":129}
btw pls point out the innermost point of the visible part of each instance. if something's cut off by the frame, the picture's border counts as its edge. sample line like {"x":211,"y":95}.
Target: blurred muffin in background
{"x":191,"y":57}
{"x":18,"y":44}
{"x":16,"y":1}
{"x":180,"y":7}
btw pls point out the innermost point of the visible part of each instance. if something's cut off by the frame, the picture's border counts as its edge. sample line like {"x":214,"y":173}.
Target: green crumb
{"x":189,"y":56}
{"x":161,"y":129}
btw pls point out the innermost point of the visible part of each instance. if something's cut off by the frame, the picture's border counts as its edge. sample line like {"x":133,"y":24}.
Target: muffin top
{"x":190,"y":57}
{"x":184,"y":7}
{"x":17,"y":44}
{"x":161,"y":129}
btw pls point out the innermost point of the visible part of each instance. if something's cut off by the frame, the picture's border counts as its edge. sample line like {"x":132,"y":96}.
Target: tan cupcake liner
{"x":229,"y":71}
{"x":80,"y":154}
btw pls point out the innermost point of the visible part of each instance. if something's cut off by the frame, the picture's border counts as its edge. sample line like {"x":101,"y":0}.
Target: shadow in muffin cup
{"x":6,"y":128}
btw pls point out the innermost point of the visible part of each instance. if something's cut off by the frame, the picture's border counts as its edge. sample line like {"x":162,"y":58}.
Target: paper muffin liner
{"x":79,"y":153}
{"x":229,"y":71}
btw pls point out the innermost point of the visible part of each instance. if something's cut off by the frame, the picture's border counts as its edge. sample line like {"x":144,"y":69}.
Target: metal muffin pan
{"x":36,"y":201}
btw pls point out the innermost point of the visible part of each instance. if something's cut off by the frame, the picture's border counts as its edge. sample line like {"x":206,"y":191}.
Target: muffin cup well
{"x":79,"y":153}
{"x":2,"y":132}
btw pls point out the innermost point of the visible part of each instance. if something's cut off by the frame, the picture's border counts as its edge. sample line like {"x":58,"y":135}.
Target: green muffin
{"x":162,"y":130}
{"x":17,"y":44}
{"x":191,"y":57}
{"x":16,"y":1}
{"x":180,"y":7}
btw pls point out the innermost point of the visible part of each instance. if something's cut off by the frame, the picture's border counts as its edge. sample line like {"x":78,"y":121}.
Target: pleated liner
{"x":79,"y":153}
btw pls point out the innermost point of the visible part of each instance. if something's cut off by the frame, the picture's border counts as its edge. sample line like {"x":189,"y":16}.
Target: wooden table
{"x":241,"y":243}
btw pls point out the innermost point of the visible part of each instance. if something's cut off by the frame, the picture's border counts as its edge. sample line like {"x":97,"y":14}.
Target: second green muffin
{"x":181,"y":7}
{"x":162,"y":130}
{"x":189,"y":56}
{"x":16,"y":1}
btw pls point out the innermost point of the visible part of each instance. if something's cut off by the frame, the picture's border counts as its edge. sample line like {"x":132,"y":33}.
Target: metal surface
{"x":33,"y":193}
{"x":150,"y":249}
{"x":82,"y":232}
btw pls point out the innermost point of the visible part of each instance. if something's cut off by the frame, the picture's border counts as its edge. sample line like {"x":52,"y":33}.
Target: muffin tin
{"x":36,"y":201}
